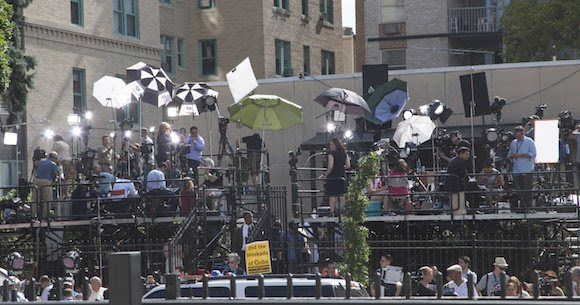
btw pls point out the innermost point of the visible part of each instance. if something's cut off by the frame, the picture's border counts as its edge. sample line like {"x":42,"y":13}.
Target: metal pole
{"x":472,"y":110}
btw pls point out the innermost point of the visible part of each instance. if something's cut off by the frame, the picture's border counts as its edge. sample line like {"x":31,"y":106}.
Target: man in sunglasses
{"x":489,"y":284}
{"x":233,"y":265}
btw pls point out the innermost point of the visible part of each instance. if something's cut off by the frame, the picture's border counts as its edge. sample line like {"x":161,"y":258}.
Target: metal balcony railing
{"x":474,"y":19}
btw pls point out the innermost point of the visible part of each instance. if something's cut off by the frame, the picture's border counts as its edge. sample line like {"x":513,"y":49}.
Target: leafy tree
{"x":6,"y":27}
{"x":356,"y":249}
{"x":15,"y":96}
{"x":532,"y":27}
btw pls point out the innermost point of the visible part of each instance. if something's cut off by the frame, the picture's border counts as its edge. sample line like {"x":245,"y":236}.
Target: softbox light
{"x":10,"y":138}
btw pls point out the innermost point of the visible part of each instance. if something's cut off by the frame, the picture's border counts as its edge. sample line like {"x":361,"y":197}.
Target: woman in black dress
{"x":338,"y":162}
{"x":163,"y":142}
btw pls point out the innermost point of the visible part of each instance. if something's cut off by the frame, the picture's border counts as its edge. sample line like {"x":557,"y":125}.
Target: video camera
{"x":566,"y":122}
{"x":223,"y":124}
{"x":444,"y":142}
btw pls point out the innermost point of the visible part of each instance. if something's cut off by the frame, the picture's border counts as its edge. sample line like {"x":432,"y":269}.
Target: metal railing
{"x":474,"y":19}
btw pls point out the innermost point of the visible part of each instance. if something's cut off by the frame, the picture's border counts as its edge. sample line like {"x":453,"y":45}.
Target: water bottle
{"x":418,"y":165}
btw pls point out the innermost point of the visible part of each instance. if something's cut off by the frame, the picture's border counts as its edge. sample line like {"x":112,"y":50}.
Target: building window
{"x":180,"y":59}
{"x":76,"y":12}
{"x":166,"y":1}
{"x":307,"y":60}
{"x":396,"y":59}
{"x":305,"y":7}
{"x":283,"y":60}
{"x":326,"y":10}
{"x":208,"y":57}
{"x":79,"y":92}
{"x":203,"y":4}
{"x":327,"y":62}
{"x":126,"y":17}
{"x":167,"y":58}
{"x":281,"y":4}
{"x":392,"y":11}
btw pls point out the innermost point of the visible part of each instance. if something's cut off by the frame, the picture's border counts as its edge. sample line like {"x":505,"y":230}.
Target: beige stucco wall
{"x":555,"y":84}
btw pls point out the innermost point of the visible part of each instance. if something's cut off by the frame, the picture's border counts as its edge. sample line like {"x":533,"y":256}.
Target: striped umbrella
{"x":153,"y":83}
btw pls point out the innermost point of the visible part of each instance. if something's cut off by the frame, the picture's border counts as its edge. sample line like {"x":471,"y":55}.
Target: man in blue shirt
{"x":45,"y":176}
{"x":522,"y":153}
{"x":106,"y":181}
{"x":195,"y":151}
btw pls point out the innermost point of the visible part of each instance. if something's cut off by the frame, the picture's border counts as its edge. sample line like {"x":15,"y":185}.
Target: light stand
{"x":3,"y":129}
{"x":471,"y":114}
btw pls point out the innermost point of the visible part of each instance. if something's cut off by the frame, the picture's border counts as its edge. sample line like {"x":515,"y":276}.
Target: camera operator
{"x":457,"y":142}
{"x":550,"y":285}
{"x":106,"y":155}
{"x":147,"y":153}
{"x":528,"y":124}
{"x":522,"y":153}
{"x":489,"y":285}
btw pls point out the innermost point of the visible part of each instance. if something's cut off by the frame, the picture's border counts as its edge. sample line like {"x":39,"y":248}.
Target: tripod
{"x":225,"y":148}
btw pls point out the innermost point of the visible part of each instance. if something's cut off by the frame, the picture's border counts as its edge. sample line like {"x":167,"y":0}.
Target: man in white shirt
{"x":457,"y":283}
{"x":576,"y":280}
{"x":465,"y":263}
{"x":45,"y":286}
{"x":97,"y":291}
{"x":123,"y":195}
{"x":387,"y":290}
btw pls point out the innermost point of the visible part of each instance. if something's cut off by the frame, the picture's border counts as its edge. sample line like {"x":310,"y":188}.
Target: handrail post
{"x":261,"y":291}
{"x":205,"y":288}
{"x":377,"y":286}
{"x":318,"y":287}
{"x":535,"y":284}
{"x":233,"y":290}
{"x":439,"y":281}
{"x":502,"y":281}
{"x":289,"y":286}
{"x":348,"y":288}
{"x":470,"y":286}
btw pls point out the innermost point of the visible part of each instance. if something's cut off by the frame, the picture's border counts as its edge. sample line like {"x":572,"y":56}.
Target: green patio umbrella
{"x":265,"y":112}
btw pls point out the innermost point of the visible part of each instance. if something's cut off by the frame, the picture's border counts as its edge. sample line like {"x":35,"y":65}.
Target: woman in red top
{"x":187,"y":197}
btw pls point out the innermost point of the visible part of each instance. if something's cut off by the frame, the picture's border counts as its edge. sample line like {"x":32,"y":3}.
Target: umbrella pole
{"x":262,"y":149}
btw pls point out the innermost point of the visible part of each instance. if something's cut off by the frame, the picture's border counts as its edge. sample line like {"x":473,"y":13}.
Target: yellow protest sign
{"x":258,"y":257}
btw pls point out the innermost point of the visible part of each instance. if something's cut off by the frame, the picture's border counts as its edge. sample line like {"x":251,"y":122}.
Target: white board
{"x":242,"y":80}
{"x":546,"y":137}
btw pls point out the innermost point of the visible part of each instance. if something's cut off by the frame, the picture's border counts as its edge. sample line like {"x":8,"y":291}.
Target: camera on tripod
{"x":223,"y":124}
{"x":566,"y":122}
{"x":443,"y":142}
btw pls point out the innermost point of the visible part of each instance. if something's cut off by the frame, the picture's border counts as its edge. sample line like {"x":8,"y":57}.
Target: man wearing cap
{"x":489,"y":284}
{"x":69,"y":283}
{"x":457,"y":283}
{"x":522,"y":153}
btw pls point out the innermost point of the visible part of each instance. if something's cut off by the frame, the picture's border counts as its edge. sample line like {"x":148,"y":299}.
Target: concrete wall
{"x":348,"y":48}
{"x":523,"y":85}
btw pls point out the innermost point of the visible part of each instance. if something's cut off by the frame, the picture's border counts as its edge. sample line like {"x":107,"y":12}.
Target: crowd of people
{"x":167,"y":168}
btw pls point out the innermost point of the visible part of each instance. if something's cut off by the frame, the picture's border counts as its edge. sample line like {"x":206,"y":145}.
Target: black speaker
{"x":481,"y":97}
{"x":125,"y":278}
{"x":374,"y":76}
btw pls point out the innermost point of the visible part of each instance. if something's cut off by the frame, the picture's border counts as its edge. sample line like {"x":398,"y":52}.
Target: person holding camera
{"x":457,"y":142}
{"x":489,"y":284}
{"x":425,"y":286}
{"x":528,"y":123}
{"x":387,"y":290}
{"x":522,"y":153}
{"x":550,"y":285}
{"x":106,"y":155}
{"x":147,"y":153}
